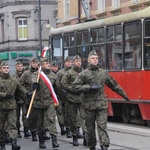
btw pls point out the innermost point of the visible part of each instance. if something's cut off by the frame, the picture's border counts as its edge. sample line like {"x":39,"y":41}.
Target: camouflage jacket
{"x":43,"y":96}
{"x":95,"y":99}
{"x":66,"y":83}
{"x":9,"y":85}
{"x":26,"y":81}
{"x":17,"y":97}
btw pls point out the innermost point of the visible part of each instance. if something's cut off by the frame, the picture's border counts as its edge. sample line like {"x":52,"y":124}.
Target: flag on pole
{"x":44,"y":50}
{"x":50,"y":87}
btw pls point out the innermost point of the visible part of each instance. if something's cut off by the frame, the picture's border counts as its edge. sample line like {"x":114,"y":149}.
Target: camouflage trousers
{"x":100,"y":117}
{"x":10,"y":117}
{"x":50,"y":114}
{"x":76,"y":114}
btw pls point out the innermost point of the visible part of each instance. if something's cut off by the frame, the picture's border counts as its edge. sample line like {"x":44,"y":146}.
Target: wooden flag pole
{"x":33,"y":95}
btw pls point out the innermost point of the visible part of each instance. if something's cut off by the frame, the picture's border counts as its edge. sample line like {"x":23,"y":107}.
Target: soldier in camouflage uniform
{"x":59,"y":111}
{"x":8,"y":87}
{"x":74,"y":99}
{"x":43,"y":104}
{"x":26,"y":82}
{"x":20,"y":103}
{"x":62,"y":99}
{"x":91,"y":81}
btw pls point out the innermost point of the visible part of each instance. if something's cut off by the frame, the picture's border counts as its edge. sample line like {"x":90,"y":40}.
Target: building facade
{"x":71,"y":12}
{"x":20,"y":30}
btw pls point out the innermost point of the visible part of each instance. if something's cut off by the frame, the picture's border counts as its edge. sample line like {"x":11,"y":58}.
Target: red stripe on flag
{"x":50,"y":87}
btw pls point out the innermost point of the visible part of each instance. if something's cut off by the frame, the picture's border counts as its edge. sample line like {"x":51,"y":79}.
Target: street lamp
{"x":48,"y":26}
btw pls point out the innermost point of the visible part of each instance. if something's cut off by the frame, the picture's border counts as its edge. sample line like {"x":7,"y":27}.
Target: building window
{"x":22,"y":29}
{"x":67,"y":9}
{"x":135,"y":1}
{"x":101,"y":5}
{"x":115,"y":4}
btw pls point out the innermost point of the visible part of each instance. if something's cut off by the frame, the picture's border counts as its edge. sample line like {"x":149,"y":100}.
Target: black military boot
{"x":79,"y":134}
{"x":19,"y":134}
{"x":75,"y":141}
{"x":8,"y":140}
{"x":2,"y":145}
{"x":63,"y":131}
{"x":34,"y":137}
{"x":46,"y":137}
{"x":104,"y":147}
{"x":14,"y":145}
{"x":42,"y":143}
{"x":26,"y":132}
{"x":68,"y":133}
{"x":84,"y":139}
{"x":54,"y":141}
{"x":92,"y":148}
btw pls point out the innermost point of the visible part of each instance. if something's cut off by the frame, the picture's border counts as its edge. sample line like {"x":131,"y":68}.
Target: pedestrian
{"x":74,"y":99}
{"x":91,"y":81}
{"x":26,"y":81}
{"x":8,"y":87}
{"x":21,"y":106}
{"x":43,"y":104}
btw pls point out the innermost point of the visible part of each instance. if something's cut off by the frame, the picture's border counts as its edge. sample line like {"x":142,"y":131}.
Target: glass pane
{"x":66,"y":40}
{"x":100,"y":50}
{"x":25,"y":32}
{"x":132,"y":45}
{"x":147,"y":28}
{"x":85,"y":38}
{"x":20,"y":22}
{"x":57,"y":50}
{"x":117,"y":30}
{"x":79,"y":38}
{"x":94,"y":36}
{"x":109,"y":34}
{"x":72,"y":39}
{"x":25,"y":22}
{"x":20,"y":33}
{"x":101,"y":35}
{"x":72,"y":52}
{"x":147,"y":53}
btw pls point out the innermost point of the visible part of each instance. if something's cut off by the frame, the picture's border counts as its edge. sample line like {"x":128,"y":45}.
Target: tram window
{"x":109,"y":34}
{"x":79,"y":38}
{"x":101,"y":35}
{"x":114,"y":56}
{"x":85,"y":37}
{"x":117,"y":30}
{"x":66,"y":40}
{"x":72,"y":39}
{"x":132,"y":45}
{"x":94,"y":36}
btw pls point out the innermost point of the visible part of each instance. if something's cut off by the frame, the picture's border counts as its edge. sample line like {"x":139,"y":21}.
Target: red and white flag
{"x":44,"y":50}
{"x":50,"y":87}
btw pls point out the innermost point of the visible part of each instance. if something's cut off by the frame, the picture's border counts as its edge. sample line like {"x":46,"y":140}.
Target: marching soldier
{"x":59,"y":111}
{"x":26,"y":82}
{"x":20,"y":103}
{"x":74,"y":99}
{"x":91,"y":81}
{"x":44,"y":105}
{"x":8,"y":87}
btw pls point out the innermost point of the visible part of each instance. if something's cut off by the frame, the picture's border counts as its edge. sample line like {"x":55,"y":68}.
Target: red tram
{"x":123,"y":46}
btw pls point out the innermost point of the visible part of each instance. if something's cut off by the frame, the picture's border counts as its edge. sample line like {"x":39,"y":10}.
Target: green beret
{"x":76,"y":57}
{"x":93,"y":52}
{"x":33,"y":60}
{"x":54,"y":63}
{"x":4,"y":63}
{"x":18,"y":63}
{"x":44,"y":59}
{"x":67,"y":59}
